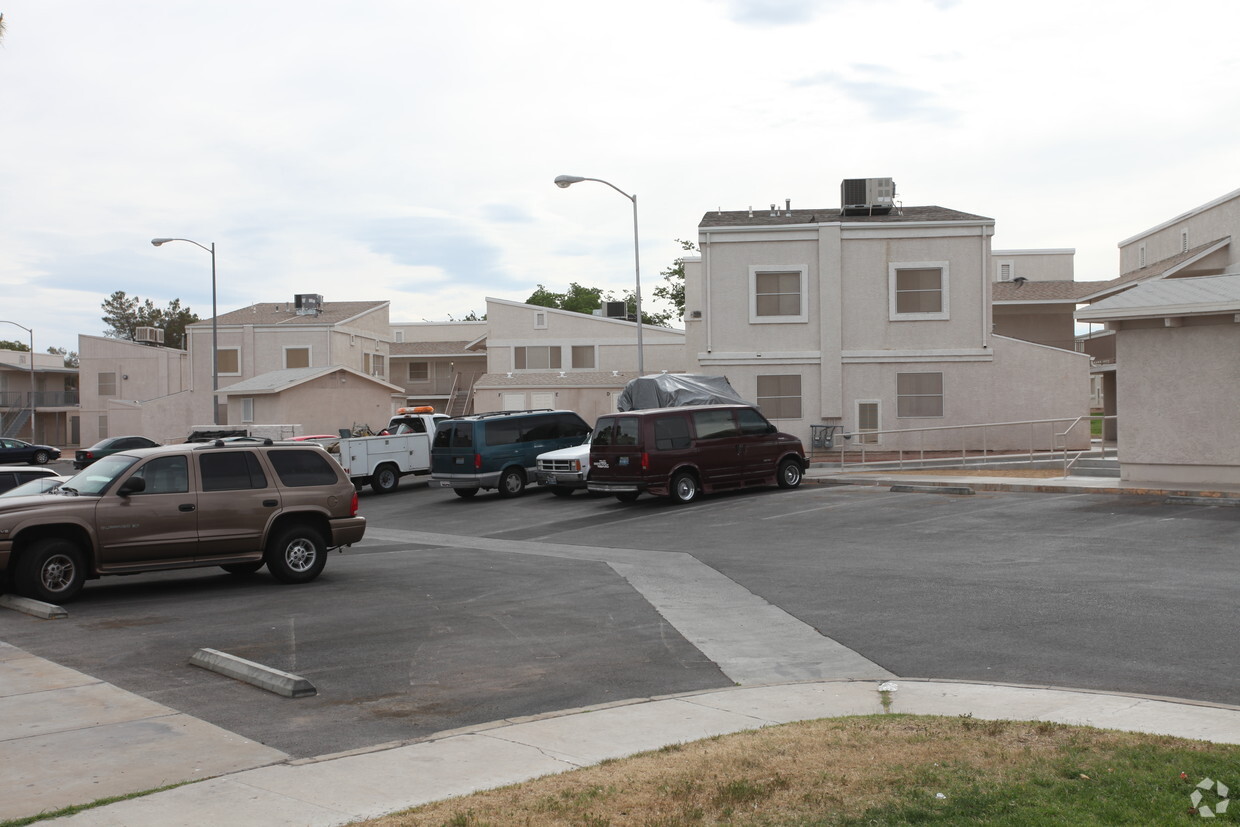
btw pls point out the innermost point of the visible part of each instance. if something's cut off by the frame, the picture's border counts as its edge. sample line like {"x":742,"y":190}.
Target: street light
{"x":566,"y":181}
{"x":215,"y":336}
{"x":33,"y":437}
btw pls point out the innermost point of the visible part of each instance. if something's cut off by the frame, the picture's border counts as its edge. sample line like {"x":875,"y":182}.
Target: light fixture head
{"x":565,"y":181}
{"x":157,"y":241}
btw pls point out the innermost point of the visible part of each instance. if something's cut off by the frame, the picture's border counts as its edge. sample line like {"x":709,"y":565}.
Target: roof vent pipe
{"x":788,"y":205}
{"x":773,"y":212}
{"x":751,"y":210}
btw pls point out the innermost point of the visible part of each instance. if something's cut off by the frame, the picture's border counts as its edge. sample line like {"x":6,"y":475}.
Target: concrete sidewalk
{"x":67,"y":738}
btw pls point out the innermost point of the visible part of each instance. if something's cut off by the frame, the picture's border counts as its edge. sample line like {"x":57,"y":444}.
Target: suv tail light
{"x":353,"y":505}
{"x":645,"y":461}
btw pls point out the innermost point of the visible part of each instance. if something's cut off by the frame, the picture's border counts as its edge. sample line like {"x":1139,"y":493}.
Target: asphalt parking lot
{"x":405,"y":638}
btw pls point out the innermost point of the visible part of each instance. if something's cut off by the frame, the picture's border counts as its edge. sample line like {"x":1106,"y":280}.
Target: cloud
{"x":773,"y":12}
{"x":886,"y":99}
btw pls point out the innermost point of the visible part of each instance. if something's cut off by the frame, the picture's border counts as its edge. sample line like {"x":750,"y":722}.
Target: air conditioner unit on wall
{"x":867,"y":196}
{"x":149,"y":334}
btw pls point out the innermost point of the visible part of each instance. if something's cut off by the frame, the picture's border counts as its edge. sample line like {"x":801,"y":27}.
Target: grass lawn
{"x":885,"y":769}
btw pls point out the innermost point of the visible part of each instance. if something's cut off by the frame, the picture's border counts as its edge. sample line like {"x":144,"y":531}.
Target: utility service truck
{"x":401,"y":449}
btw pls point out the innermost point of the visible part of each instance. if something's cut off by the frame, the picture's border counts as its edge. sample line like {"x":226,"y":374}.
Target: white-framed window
{"x":779,"y":396}
{"x":297,"y":357}
{"x":419,"y":371}
{"x":918,"y":290}
{"x":107,"y":383}
{"x":777,"y":295}
{"x":919,"y":395}
{"x":398,"y":335}
{"x":540,"y":320}
{"x":247,"y":409}
{"x":869,"y":419}
{"x":228,"y":360}
{"x":1007,"y":270}
{"x":380,"y":364}
{"x":540,"y":357}
{"x":583,"y":357}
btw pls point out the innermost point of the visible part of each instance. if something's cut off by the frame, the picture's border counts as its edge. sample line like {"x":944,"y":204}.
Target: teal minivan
{"x":499,"y":450}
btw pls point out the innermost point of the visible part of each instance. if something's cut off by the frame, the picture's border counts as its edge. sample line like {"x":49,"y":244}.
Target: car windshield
{"x":95,"y":478}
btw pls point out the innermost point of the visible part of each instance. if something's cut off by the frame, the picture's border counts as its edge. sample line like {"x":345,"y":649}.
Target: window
{"x":454,"y":435}
{"x":868,"y":419}
{"x":300,"y":468}
{"x":228,"y":361}
{"x":616,"y":430}
{"x":779,"y":397}
{"x":753,"y":424}
{"x":918,"y":290}
{"x":103,"y":427}
{"x":231,"y":471}
{"x":919,"y":395}
{"x":419,"y":371}
{"x":297,"y":357}
{"x":398,"y":335}
{"x":714,"y":424}
{"x":247,"y":409}
{"x":366,"y":363}
{"x":583,"y":357}
{"x":165,"y":475}
{"x":540,"y":320}
{"x":671,"y":432}
{"x":107,"y":384}
{"x":542,"y":357}
{"x":380,"y":364}
{"x":777,"y":294}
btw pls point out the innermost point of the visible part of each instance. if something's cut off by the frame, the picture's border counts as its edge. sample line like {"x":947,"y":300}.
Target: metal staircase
{"x":12,"y":424}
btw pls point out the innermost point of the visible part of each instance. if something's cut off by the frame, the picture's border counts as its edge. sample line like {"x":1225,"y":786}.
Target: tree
{"x":674,"y":290}
{"x":577,"y":299}
{"x":125,"y":314}
{"x":13,"y":344}
{"x":70,"y":356}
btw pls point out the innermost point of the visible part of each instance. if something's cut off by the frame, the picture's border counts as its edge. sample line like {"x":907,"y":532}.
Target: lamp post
{"x":566,"y":181}
{"x":215,"y":336}
{"x":33,"y":436}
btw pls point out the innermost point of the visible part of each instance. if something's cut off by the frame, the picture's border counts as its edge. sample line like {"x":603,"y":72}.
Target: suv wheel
{"x":53,"y":570}
{"x":789,"y":473}
{"x":296,"y":554}
{"x":385,"y":480}
{"x":512,"y":483}
{"x":684,"y":488}
{"x":41,"y":457}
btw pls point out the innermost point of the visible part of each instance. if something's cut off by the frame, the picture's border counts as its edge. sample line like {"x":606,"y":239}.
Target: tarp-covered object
{"x":672,"y":390}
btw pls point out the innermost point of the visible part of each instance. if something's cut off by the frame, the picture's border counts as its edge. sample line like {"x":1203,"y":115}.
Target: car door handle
{"x":186,"y":507}
{"x":271,"y":503}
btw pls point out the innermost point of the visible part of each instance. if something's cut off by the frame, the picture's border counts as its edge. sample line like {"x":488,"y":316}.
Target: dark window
{"x":714,"y":424}
{"x":671,"y":432}
{"x":298,"y":468}
{"x":753,"y":423}
{"x":503,"y":432}
{"x":231,"y":471}
{"x":454,"y":435}
{"x":165,"y":475}
{"x":618,"y":430}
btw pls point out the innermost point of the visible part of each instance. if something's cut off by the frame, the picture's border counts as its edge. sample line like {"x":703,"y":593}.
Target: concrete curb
{"x":255,"y":674}
{"x":37,"y":608}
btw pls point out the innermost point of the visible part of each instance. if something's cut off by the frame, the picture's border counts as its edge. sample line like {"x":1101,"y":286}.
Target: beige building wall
{"x":1049,"y":324}
{"x":1162,"y":435}
{"x":320,"y":406}
{"x":1034,"y":265}
{"x":1217,"y":219}
{"x":436,"y":331}
{"x":116,"y":375}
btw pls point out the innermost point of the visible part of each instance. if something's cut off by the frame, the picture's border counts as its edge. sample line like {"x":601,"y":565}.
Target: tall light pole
{"x":215,"y":334}
{"x":33,"y":436}
{"x":566,"y":181}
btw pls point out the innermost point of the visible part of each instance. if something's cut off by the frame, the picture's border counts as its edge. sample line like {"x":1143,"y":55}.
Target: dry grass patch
{"x":887,"y":769}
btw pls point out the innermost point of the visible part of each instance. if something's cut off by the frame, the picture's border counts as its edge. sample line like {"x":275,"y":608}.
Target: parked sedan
{"x":12,"y":476}
{"x":15,"y":450}
{"x":38,"y":485}
{"x":109,"y":446}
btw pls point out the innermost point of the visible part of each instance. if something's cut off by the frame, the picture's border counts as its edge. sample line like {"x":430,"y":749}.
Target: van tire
{"x":385,"y":479}
{"x":790,"y":473}
{"x":561,"y":491}
{"x":465,"y":493}
{"x":52,"y":570}
{"x":511,"y":483}
{"x":628,"y":496}
{"x":684,"y":488}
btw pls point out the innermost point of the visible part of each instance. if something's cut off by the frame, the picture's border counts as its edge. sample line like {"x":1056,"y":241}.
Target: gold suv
{"x":182,"y":506}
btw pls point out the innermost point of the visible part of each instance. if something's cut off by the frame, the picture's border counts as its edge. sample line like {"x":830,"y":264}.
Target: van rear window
{"x":454,"y":435}
{"x":619,"y":430}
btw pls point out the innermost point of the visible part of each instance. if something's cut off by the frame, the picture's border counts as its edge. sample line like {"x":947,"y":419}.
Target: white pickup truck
{"x":399,"y":450}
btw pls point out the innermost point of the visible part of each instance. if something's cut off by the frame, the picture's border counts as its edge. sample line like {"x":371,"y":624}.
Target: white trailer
{"x":401,"y":449}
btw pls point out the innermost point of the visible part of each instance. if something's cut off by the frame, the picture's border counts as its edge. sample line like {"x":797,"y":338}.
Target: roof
{"x":277,"y":381}
{"x":1070,"y":292}
{"x":1170,"y":297}
{"x":431,"y":349}
{"x":283,"y":313}
{"x":553,"y":379}
{"x":764,"y":218}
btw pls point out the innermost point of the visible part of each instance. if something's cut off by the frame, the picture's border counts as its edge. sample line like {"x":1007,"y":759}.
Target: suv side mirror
{"x":133,"y":485}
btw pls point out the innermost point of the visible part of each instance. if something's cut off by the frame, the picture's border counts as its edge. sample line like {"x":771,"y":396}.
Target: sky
{"x":405,"y":151}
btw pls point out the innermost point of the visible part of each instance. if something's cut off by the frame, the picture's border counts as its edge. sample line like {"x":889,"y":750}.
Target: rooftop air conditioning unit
{"x":867,"y":196}
{"x":615,"y":310}
{"x":308,"y":304}
{"x":155,"y":335}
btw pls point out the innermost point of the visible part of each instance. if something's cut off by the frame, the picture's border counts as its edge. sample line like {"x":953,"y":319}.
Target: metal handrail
{"x":1067,"y":466}
{"x":1057,"y":438}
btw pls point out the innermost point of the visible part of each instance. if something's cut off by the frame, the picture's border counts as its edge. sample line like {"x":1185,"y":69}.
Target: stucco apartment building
{"x":38,"y":398}
{"x":872,"y":320}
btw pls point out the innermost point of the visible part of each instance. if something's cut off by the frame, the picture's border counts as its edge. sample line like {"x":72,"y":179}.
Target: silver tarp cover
{"x":671,"y":390}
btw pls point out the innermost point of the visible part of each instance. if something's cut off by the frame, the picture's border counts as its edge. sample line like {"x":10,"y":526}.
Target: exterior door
{"x":718,"y":441}
{"x":234,"y":483}
{"x":158,"y":524}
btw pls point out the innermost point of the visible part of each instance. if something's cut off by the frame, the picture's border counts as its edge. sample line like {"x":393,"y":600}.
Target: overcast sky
{"x":402,"y":150}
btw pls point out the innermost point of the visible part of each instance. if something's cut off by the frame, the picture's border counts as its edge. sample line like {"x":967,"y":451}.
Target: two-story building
{"x":38,"y":398}
{"x":873,"y":319}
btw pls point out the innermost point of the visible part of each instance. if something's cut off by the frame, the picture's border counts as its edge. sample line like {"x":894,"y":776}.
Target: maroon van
{"x":683,"y":452}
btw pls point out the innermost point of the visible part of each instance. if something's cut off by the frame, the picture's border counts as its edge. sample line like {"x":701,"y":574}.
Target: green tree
{"x":13,"y":344}
{"x":124,"y":314}
{"x":70,"y":356}
{"x":673,"y":291}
